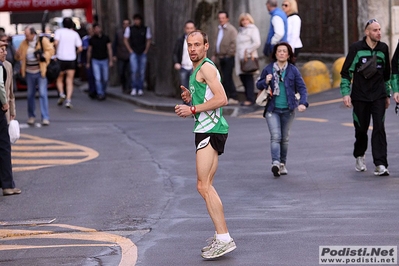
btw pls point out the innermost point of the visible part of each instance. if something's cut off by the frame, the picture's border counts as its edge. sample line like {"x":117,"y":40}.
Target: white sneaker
{"x":209,"y":242}
{"x":283,"y":169}
{"x":218,"y":249}
{"x":381,"y":170}
{"x":360,"y":165}
{"x":276,"y":169}
{"x":140,"y":93}
{"x":133,"y":92}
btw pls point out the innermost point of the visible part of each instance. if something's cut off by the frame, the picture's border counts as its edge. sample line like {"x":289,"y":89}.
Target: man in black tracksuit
{"x":369,"y":96}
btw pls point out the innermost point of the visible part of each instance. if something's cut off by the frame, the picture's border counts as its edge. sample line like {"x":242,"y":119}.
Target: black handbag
{"x":53,"y":68}
{"x":249,"y":64}
{"x":369,"y":68}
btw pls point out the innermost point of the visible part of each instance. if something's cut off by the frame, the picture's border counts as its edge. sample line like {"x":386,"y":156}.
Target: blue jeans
{"x":279,"y":122}
{"x":33,"y":80}
{"x":138,"y":64}
{"x":185,"y":77}
{"x":100,"y":73}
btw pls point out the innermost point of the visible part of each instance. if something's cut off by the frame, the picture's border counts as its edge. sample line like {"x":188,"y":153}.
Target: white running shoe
{"x":209,"y":241}
{"x":381,"y":170}
{"x":283,"y":169}
{"x":276,"y":169}
{"x":360,"y":165}
{"x":218,"y":249}
{"x":133,"y":92}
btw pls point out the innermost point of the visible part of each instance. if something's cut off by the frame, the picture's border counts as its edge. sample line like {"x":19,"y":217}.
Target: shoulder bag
{"x":264,"y":97}
{"x":369,"y":68}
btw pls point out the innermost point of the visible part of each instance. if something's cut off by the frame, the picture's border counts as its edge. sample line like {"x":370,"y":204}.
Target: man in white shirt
{"x":181,"y":58}
{"x":278,"y":27}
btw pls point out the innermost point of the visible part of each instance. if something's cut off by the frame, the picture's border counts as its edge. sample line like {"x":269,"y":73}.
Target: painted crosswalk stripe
{"x":31,"y":153}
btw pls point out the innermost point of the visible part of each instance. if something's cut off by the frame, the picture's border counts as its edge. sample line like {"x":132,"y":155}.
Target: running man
{"x":207,"y":96}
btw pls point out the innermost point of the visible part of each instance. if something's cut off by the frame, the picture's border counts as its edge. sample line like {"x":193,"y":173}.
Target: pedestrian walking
{"x":365,"y":85}
{"x":68,"y":44}
{"x":121,"y":56}
{"x":99,"y":57}
{"x":7,"y":113}
{"x":294,"y":22}
{"x":285,"y":81}
{"x":207,"y":96}
{"x":181,"y":58}
{"x":138,"y":42}
{"x":248,"y":41}
{"x":35,"y":57}
{"x":83,"y":61}
{"x":225,"y":52}
{"x":278,"y":27}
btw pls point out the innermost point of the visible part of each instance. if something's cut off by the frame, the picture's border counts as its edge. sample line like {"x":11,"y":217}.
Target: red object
{"x":37,"y":5}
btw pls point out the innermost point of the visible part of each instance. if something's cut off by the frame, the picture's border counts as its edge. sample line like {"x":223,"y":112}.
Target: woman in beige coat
{"x":247,"y":43}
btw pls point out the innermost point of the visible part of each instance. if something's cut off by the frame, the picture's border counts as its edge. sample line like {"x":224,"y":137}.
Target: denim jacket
{"x":293,"y":83}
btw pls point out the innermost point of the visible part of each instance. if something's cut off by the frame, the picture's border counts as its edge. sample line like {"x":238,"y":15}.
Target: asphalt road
{"x":141,"y":189}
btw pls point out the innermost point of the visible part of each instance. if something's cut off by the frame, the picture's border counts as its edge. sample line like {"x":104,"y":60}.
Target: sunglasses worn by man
{"x":371,"y":21}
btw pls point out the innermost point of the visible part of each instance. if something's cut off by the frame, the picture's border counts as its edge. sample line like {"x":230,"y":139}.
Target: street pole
{"x":345,"y":11}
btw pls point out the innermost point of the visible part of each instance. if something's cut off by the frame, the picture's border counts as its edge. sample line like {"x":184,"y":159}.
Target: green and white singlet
{"x":210,"y":121}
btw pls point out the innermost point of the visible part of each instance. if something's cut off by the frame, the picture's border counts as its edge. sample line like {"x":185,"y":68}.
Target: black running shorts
{"x":67,"y":65}
{"x":217,"y":141}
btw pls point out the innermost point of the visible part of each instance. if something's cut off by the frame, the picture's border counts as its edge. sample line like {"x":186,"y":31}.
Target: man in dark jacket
{"x":137,"y":40}
{"x":369,"y":95}
{"x":181,"y":58}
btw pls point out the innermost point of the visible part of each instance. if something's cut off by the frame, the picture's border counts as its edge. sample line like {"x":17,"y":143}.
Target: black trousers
{"x":6,"y":178}
{"x":362,"y":112}
{"x":249,"y":85}
{"x":124,"y":74}
{"x":226,"y":67}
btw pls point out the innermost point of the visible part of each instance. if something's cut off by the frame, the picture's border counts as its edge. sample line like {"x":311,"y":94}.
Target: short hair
{"x":89,"y":26}
{"x":96,"y":25}
{"x":189,"y":21}
{"x":204,"y":35}
{"x":223,"y":12}
{"x":68,"y":23}
{"x":31,"y":29}
{"x":289,"y":49}
{"x":293,"y":6}
{"x":137,"y":16}
{"x":272,"y":3}
{"x":245,"y":15}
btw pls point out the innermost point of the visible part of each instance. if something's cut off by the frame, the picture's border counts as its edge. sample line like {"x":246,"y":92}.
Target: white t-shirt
{"x":68,"y":41}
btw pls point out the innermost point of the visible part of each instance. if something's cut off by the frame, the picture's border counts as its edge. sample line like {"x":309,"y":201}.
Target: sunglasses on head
{"x":371,"y":21}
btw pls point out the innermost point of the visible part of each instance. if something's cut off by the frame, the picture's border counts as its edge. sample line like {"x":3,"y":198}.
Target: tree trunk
{"x":170,"y":17}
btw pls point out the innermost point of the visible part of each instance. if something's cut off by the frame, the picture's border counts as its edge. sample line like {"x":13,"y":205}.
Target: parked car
{"x":20,"y":81}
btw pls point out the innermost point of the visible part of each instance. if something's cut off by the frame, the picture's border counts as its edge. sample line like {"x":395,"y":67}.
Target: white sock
{"x":223,"y":237}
